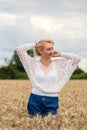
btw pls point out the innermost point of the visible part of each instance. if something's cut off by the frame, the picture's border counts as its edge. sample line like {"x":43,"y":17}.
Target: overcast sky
{"x":64,"y":21}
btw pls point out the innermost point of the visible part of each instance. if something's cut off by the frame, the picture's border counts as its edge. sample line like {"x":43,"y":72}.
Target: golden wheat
{"x":72,"y":113}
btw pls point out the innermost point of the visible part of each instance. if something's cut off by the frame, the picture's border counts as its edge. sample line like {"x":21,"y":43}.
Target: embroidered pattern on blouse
{"x":62,"y":70}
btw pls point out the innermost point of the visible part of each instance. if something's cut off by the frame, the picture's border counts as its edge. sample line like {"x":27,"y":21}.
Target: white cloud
{"x":7,"y":19}
{"x":44,"y":23}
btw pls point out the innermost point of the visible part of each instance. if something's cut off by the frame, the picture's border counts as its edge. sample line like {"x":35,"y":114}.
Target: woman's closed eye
{"x":48,"y":49}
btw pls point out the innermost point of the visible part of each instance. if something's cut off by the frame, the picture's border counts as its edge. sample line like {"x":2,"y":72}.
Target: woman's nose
{"x":51,"y":51}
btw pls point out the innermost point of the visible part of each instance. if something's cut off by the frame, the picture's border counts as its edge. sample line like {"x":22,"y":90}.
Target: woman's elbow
{"x":18,"y":50}
{"x":77,"y":59}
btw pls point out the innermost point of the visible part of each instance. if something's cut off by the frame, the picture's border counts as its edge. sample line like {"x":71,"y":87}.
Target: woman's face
{"x":47,"y":51}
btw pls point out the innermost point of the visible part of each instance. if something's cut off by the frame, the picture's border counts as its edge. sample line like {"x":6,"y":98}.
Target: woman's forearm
{"x":72,"y":56}
{"x":25,"y":47}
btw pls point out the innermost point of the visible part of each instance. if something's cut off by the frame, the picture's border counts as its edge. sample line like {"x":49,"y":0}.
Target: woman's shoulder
{"x":57,"y":58}
{"x":60,"y":61}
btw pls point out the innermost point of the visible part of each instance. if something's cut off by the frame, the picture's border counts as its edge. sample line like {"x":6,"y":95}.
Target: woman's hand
{"x":56,"y":54}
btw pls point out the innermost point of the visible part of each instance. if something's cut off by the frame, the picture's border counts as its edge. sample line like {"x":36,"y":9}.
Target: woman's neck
{"x":45,"y":62}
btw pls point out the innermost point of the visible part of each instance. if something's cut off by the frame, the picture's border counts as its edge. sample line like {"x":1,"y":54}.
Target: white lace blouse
{"x":47,"y":81}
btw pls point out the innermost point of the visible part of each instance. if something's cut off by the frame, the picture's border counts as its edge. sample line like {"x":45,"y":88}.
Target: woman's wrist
{"x":56,"y":54}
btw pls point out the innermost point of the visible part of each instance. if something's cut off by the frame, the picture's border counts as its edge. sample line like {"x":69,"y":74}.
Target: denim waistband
{"x":43,"y":96}
{"x":41,"y":93}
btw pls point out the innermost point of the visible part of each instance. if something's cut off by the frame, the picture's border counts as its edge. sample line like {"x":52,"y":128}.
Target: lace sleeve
{"x":23,"y":55}
{"x":66,"y":65}
{"x":72,"y":61}
{"x":73,"y":57}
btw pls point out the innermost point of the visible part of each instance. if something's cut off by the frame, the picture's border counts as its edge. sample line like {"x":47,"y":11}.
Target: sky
{"x":28,"y":21}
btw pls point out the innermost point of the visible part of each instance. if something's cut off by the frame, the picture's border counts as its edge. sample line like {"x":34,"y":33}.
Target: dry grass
{"x":72,"y":114}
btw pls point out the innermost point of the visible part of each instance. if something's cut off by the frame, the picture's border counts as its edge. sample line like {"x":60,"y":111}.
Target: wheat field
{"x":72,"y":113}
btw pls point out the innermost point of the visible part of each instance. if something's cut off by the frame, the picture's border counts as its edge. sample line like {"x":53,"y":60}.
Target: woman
{"x":48,"y":75}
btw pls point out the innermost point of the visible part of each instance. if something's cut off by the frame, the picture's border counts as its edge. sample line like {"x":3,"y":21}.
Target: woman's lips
{"x":50,"y":54}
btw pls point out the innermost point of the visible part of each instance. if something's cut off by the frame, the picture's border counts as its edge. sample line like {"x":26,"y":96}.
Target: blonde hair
{"x":40,"y":45}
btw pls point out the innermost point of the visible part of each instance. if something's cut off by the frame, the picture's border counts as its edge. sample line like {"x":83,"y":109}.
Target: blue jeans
{"x":42,"y":105}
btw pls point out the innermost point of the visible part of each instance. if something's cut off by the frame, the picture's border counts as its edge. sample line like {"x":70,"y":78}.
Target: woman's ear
{"x":40,"y":50}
